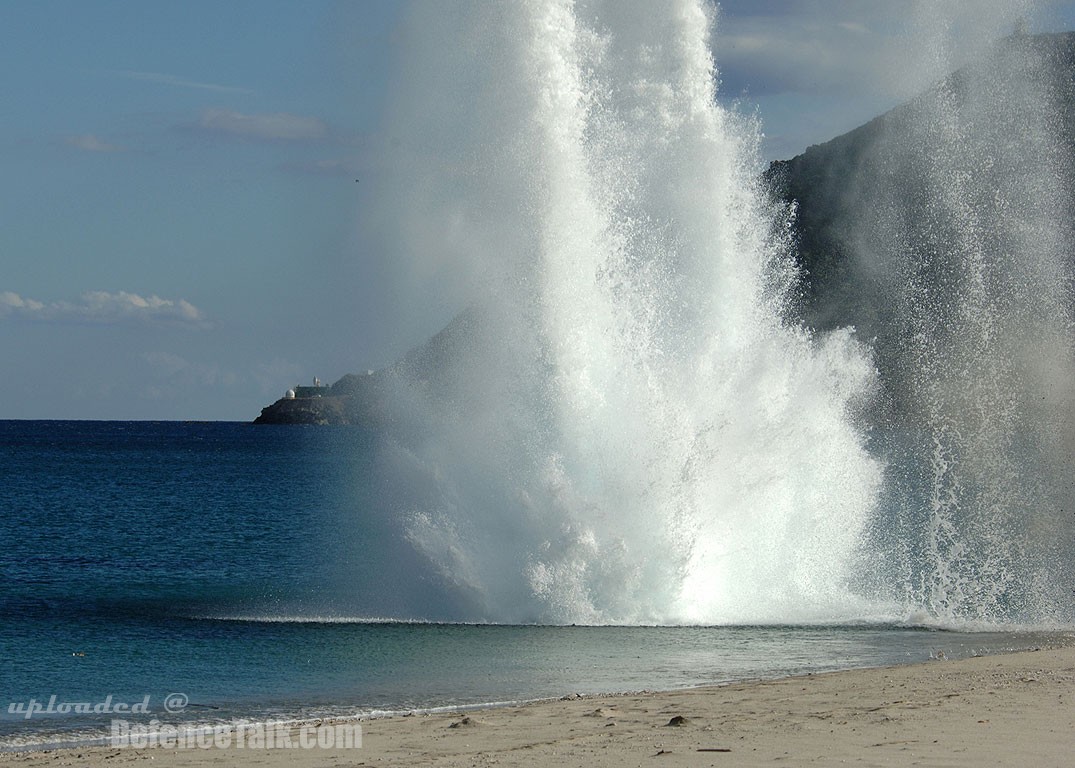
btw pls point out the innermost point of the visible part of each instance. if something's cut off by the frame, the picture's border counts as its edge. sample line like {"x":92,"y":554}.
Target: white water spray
{"x":968,"y":216}
{"x":631,"y":429}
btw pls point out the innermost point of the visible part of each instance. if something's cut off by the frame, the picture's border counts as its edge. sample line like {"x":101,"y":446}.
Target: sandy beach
{"x":1015,"y":709}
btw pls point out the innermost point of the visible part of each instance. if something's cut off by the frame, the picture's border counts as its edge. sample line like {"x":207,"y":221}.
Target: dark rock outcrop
{"x":354,"y":399}
{"x":304,"y":410}
{"x":964,"y":194}
{"x":891,"y":166}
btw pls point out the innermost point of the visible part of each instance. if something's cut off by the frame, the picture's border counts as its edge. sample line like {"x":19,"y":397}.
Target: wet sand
{"x":1010,"y":710}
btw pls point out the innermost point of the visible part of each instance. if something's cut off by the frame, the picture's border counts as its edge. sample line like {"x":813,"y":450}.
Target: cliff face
{"x":928,"y":176}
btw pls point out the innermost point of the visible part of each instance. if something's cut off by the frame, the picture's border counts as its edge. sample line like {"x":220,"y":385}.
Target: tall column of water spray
{"x":640,"y":435}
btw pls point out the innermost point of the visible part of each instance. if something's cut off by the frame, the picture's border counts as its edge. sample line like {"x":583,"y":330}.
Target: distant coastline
{"x":353,"y":399}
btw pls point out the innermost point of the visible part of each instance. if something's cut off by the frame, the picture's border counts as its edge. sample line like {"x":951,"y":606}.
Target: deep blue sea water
{"x":210,"y":560}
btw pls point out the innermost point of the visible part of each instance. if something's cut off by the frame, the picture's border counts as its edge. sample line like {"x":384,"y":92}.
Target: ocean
{"x":202,"y":568}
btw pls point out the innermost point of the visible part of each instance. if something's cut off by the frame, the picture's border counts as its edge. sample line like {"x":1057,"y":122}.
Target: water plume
{"x":628,"y":427}
{"x":964,"y":217}
{"x":629,"y":424}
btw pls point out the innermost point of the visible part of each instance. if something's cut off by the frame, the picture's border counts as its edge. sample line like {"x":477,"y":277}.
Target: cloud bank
{"x":102,"y":307}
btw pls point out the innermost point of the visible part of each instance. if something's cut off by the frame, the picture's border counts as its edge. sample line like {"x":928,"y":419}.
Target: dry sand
{"x":1013,"y":710}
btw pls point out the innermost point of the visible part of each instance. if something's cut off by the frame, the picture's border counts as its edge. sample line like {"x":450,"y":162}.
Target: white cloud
{"x":90,"y":143}
{"x":104,"y":307}
{"x":13,"y":302}
{"x":279,"y":126}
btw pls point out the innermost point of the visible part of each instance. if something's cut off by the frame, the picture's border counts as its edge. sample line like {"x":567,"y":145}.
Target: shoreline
{"x":1006,"y":709}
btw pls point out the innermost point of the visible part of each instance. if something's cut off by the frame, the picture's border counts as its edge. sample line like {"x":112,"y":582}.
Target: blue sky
{"x":182,"y":234}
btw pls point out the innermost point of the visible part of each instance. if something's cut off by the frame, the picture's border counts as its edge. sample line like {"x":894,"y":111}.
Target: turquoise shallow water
{"x":219,"y":564}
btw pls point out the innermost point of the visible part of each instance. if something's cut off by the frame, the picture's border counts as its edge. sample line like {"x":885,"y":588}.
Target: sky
{"x":186,"y":188}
